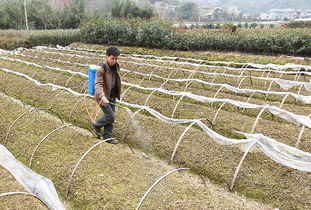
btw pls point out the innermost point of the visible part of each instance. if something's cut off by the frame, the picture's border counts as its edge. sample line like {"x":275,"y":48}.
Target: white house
{"x":281,"y":14}
{"x":234,"y":10}
{"x":164,"y":10}
{"x":208,"y":13}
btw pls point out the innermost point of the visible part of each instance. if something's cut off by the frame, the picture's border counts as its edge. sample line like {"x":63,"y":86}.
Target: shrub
{"x":160,"y":34}
{"x":53,"y":37}
{"x":298,"y":24}
{"x":109,"y":31}
{"x":229,"y":26}
{"x":135,"y":32}
{"x":154,"y":34}
{"x":11,"y":39}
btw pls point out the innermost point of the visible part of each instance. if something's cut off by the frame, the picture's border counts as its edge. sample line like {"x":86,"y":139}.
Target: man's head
{"x":112,"y":55}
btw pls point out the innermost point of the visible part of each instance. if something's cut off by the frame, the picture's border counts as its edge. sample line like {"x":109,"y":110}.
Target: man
{"x":107,"y":89}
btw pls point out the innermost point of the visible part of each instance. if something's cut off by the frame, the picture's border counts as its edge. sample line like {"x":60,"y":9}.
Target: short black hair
{"x":113,"y":51}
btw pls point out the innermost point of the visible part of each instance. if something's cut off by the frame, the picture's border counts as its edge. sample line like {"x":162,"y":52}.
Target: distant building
{"x":141,"y":3}
{"x":206,"y":13}
{"x":94,"y":5}
{"x":165,"y":10}
{"x":306,"y":13}
{"x":60,"y":4}
{"x":209,"y":13}
{"x":281,"y":14}
{"x":303,"y":19}
{"x":161,"y":5}
{"x":234,"y":10}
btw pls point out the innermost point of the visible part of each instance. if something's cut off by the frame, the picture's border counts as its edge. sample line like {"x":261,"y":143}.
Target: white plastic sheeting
{"x":45,"y":66}
{"x":286,"y":115}
{"x":281,"y":153}
{"x":304,"y":99}
{"x":39,"y":83}
{"x":226,"y":64}
{"x":253,"y":65}
{"x":284,"y":84}
{"x":282,"y":70}
{"x":303,"y":69}
{"x":34,"y":183}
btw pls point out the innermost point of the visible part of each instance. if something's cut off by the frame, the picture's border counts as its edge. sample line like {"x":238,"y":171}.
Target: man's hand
{"x":104,"y":101}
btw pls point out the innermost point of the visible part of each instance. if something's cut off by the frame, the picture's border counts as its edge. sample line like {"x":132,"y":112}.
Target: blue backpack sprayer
{"x":91,"y":81}
{"x":92,"y":75}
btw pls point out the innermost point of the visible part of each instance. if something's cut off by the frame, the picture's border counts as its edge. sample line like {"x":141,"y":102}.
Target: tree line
{"x":41,"y":15}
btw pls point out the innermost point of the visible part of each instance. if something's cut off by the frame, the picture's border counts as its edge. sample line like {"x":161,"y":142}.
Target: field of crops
{"x":244,"y":126}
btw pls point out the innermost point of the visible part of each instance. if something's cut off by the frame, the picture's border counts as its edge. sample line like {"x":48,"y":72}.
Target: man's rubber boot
{"x":97,"y":130}
{"x":111,"y":140}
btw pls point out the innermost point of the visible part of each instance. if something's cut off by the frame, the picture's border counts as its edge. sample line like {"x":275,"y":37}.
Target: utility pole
{"x":26,"y":18}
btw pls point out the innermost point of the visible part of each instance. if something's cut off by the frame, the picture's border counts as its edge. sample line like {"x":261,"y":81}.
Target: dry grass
{"x":111,"y":177}
{"x":260,"y":178}
{"x":198,"y":151}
